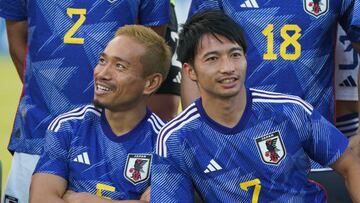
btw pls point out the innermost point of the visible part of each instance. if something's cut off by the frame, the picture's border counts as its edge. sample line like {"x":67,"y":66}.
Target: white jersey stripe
{"x":305,"y":104}
{"x":256,"y":94}
{"x":349,"y":127}
{"x":254,"y":3}
{"x":155,"y":123}
{"x":158,"y":119}
{"x":185,"y":113}
{"x":216,"y":165}
{"x":77,"y":111}
{"x":61,"y":115}
{"x":265,"y":92}
{"x":283,"y":101}
{"x":347,"y":122}
{"x":80,"y":158}
{"x":158,"y":141}
{"x":248,"y":4}
{"x":77,"y":117}
{"x":180,"y":118}
{"x":86,"y":158}
{"x":168,"y":134}
{"x":211,"y":168}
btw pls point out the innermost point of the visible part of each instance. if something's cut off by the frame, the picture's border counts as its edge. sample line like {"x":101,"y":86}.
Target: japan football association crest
{"x":138,"y":167}
{"x":271,"y":148}
{"x":316,"y":8}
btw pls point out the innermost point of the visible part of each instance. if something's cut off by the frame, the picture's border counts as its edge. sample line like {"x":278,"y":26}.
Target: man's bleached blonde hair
{"x":157,"y":57}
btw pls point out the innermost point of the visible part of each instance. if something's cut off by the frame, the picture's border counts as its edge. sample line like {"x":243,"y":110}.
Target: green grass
{"x":10,"y":90}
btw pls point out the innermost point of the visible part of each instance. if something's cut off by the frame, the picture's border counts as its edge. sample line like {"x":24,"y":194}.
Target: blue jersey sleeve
{"x":201,"y":5}
{"x":13,"y":9}
{"x":170,"y":179}
{"x":324,"y":143}
{"x":169,"y":183}
{"x":54,"y":159}
{"x":356,"y":13}
{"x":154,"y":12}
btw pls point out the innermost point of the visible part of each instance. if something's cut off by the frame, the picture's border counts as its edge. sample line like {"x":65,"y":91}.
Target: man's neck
{"x":227,"y":111}
{"x":122,"y":122}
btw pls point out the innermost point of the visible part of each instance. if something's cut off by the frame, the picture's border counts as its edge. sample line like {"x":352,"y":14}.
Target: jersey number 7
{"x":257,"y":184}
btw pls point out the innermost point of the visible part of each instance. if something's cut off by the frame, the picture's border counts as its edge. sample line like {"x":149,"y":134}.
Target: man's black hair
{"x":213,"y":22}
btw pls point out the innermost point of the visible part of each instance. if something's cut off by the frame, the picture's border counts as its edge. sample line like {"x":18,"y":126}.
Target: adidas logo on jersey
{"x":348,"y":82}
{"x":177,"y":79}
{"x":82,"y":158}
{"x":212,"y":166}
{"x":249,"y":4}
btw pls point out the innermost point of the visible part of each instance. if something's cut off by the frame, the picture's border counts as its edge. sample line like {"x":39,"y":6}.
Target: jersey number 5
{"x":289,"y":40}
{"x":68,"y":38}
{"x":257,"y":184}
{"x":101,"y":187}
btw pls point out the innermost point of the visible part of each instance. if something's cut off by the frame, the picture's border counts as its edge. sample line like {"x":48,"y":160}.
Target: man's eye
{"x":101,"y":61}
{"x":213,"y":58}
{"x":120,"y":66}
{"x":236,"y":54}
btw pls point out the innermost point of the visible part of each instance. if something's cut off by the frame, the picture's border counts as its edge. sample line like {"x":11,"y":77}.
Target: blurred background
{"x":10,"y":89}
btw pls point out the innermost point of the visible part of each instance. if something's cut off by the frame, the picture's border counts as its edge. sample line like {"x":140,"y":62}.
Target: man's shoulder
{"x":154,"y":122}
{"x":278,"y":101}
{"x":187,"y":120}
{"x":178,"y":129}
{"x":75,"y":116}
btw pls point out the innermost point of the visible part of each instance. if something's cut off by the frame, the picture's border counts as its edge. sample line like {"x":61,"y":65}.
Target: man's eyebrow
{"x":115,"y":57}
{"x":236,"y":49}
{"x":210,"y":53}
{"x":231,"y":50}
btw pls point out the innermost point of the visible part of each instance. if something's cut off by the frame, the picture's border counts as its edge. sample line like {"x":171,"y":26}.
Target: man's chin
{"x":98,"y":104}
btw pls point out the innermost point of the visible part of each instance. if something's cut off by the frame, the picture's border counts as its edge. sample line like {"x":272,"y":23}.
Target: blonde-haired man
{"x":102,"y":152}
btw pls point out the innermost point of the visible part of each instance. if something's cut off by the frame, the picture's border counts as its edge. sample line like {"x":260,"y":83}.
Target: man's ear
{"x":189,"y":71}
{"x":153,"y":82}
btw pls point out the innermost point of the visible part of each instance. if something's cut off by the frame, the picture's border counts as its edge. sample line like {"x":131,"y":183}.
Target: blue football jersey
{"x":81,"y":147}
{"x":264,"y":158}
{"x":291,"y":44}
{"x":65,"y":39}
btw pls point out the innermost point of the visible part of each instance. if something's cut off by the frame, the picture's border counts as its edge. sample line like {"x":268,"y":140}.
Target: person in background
{"x":166,"y":101}
{"x":239,"y":144}
{"x":55,"y":46}
{"x":346,"y":77}
{"x":103,"y":150}
{"x":346,"y":70}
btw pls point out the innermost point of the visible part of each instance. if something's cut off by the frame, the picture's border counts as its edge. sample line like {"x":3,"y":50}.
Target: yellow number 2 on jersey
{"x":68,"y":38}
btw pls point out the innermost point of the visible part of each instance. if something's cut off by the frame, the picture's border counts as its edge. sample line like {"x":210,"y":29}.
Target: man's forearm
{"x":17,"y":38}
{"x":352,"y":181}
{"x":348,"y":165}
{"x":84,"y":197}
{"x":47,"y":188}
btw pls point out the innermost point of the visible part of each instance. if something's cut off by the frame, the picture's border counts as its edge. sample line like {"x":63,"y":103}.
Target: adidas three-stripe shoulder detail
{"x":77,"y":113}
{"x":272,"y":97}
{"x":182,"y":119}
{"x":155,"y":122}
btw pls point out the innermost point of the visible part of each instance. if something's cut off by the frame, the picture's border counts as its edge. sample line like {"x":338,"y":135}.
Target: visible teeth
{"x":99,"y":87}
{"x":229,"y":80}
